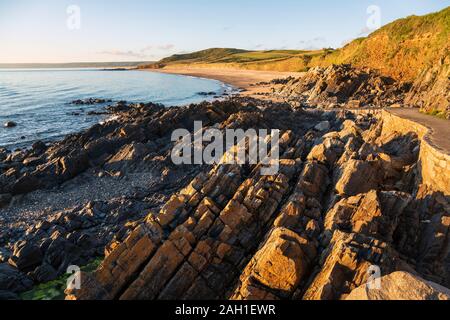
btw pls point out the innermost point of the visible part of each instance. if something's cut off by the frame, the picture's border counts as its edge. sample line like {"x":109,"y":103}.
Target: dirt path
{"x":440,"y":128}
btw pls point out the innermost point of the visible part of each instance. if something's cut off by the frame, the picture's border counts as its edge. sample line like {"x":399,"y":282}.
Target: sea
{"x":39,"y":100}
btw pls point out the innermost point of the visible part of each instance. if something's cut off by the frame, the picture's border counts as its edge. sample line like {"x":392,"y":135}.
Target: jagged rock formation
{"x":344,"y":86}
{"x":133,"y":150}
{"x":431,"y":89}
{"x":12,"y":282}
{"x":345,"y":200}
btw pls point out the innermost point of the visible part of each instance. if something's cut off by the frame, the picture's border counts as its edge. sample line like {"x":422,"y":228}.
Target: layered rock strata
{"x":349,"y":198}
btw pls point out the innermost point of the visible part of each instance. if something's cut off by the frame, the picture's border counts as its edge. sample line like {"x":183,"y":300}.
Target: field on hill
{"x":271,"y":60}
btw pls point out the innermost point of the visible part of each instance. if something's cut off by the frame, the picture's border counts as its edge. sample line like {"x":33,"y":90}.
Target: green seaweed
{"x":54,"y":290}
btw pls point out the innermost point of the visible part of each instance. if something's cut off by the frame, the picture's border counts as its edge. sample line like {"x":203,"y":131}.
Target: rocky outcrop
{"x":401,"y":286}
{"x":343,"y":86}
{"x":313,"y":231}
{"x":431,"y":89}
{"x":351,"y":196}
{"x":138,"y":141}
{"x":278,"y":268}
{"x":373,"y":214}
{"x":358,"y":176}
{"x":12,"y":282}
{"x":345,"y":264}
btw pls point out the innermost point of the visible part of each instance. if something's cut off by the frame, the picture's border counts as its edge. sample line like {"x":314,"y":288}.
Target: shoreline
{"x":103,"y":182}
{"x":247,"y":80}
{"x":250,"y":82}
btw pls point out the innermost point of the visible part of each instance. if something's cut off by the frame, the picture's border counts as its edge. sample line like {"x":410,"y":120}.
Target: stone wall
{"x":435,"y":162}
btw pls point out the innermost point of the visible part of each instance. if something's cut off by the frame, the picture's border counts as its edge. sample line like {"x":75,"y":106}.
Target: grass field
{"x":273,"y":60}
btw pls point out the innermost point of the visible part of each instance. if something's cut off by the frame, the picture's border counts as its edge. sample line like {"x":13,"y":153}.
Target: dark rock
{"x":39,"y":146}
{"x":44,"y":225}
{"x":96,"y":113}
{"x":3,"y":154}
{"x":13,"y":280}
{"x":16,"y":156}
{"x":128,"y":156}
{"x":8,"y":295}
{"x":10,"y":124}
{"x":44,"y":273}
{"x":5,"y":199}
{"x":282,"y":80}
{"x":32,"y":161}
{"x":61,"y":253}
{"x":73,"y":164}
{"x":211,"y":93}
{"x":4,"y":254}
{"x":26,"y":257}
{"x":25,"y":184}
{"x":323,"y":126}
{"x":90,"y":101}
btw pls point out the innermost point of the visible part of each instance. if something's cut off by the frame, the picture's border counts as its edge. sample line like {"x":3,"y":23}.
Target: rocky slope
{"x":61,"y":204}
{"x":348,"y":197}
{"x":431,"y":88}
{"x":342,"y":86}
{"x":402,"y":49}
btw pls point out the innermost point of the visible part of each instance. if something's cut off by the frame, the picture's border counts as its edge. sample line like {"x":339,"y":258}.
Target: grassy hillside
{"x":402,"y":49}
{"x":279,"y":60}
{"x":204,"y":56}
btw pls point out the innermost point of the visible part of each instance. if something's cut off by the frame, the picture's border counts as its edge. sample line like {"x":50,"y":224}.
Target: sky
{"x":46,"y":31}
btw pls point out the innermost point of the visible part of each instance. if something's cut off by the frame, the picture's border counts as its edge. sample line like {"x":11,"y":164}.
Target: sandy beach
{"x":248,"y":80}
{"x":243,"y":79}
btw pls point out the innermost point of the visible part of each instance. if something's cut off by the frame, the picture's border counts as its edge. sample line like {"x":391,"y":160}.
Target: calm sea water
{"x":39,"y":100}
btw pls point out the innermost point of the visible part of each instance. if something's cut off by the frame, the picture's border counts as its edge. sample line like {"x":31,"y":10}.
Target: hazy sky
{"x":125,"y":30}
